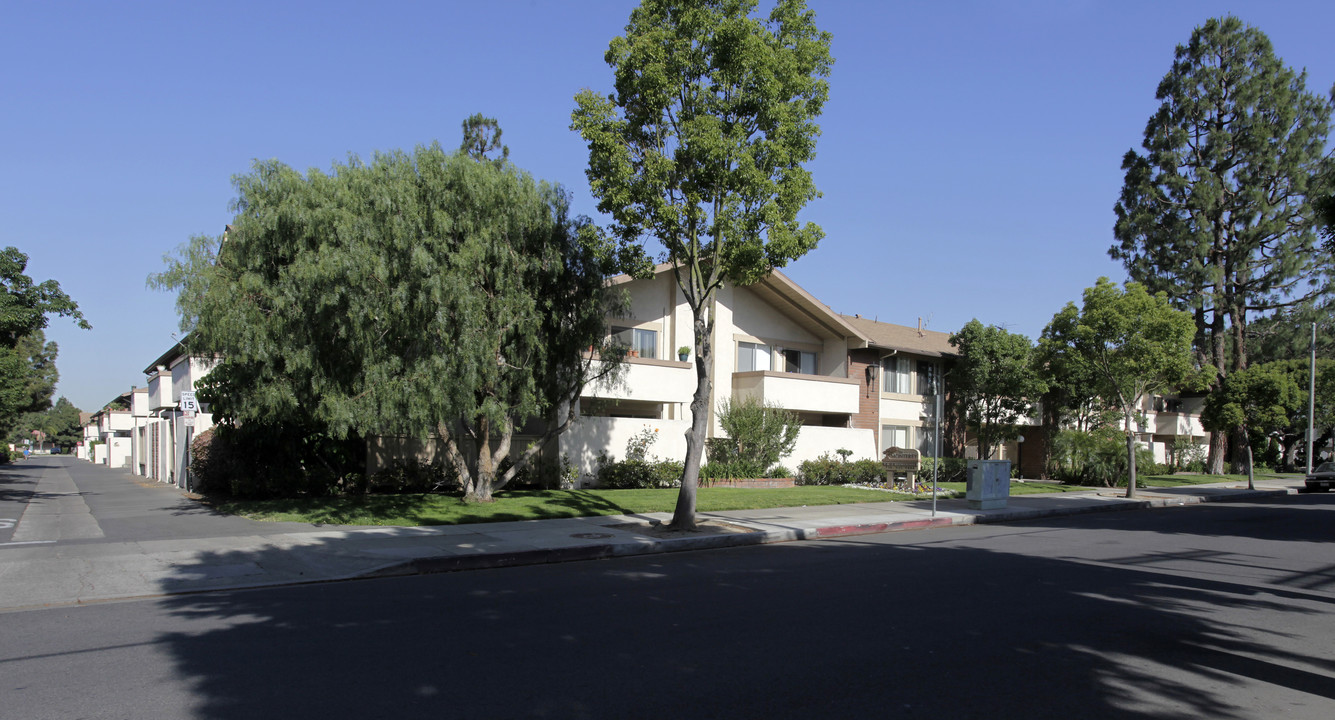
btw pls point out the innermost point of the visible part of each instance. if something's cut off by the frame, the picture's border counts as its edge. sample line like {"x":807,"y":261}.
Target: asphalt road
{"x":100,"y":505}
{"x":1218,"y":611}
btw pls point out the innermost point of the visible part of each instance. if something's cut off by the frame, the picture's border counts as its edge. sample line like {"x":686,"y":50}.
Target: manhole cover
{"x":591,"y":536}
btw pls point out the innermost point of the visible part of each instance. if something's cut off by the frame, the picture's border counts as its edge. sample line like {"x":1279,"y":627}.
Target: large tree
{"x":27,"y":361}
{"x":28,"y":378}
{"x":425,"y":293}
{"x":995,"y":382}
{"x":1137,"y":345}
{"x":702,"y":149}
{"x":1258,"y":400}
{"x":1216,"y":210}
{"x":24,"y":304}
{"x":1291,"y":434}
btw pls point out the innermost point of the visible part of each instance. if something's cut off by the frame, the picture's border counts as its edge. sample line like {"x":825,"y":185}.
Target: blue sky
{"x":970,"y":156}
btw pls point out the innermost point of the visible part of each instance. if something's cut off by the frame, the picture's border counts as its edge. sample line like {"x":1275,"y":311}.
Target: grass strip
{"x":417,"y":510}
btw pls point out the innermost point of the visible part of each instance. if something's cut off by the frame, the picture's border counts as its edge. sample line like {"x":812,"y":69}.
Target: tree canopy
{"x":994,"y":381}
{"x":28,"y":378}
{"x":421,"y":294}
{"x":1216,"y":210}
{"x":702,"y":148}
{"x":1135,"y":343}
{"x":24,"y":304}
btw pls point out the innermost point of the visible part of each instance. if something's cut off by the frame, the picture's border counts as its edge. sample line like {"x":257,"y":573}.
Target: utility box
{"x":989,"y":484}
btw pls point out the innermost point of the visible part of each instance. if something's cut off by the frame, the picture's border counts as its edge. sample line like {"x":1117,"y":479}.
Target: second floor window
{"x":896,"y":375}
{"x":798,"y":361}
{"x":926,"y":377}
{"x":642,"y":342}
{"x":752,"y":356}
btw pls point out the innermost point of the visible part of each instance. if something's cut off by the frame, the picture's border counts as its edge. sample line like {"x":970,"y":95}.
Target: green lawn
{"x":1180,"y":480}
{"x":416,"y":510}
{"x":1033,"y":487}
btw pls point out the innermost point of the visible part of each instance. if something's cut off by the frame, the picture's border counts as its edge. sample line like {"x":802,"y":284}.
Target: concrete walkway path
{"x":90,"y":534}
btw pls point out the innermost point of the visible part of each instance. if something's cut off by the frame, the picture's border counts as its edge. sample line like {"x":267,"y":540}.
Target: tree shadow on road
{"x":923,"y":629}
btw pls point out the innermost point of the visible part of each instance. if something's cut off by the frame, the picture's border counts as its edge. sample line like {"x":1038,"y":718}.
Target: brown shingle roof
{"x":900,"y":337}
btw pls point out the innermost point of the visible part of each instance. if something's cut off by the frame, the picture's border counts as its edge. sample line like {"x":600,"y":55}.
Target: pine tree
{"x":1216,"y":210}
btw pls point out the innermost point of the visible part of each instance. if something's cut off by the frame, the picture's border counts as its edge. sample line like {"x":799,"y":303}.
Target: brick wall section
{"x":868,"y":416}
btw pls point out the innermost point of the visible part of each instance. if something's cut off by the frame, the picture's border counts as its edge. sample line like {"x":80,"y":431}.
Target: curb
{"x":456,"y":563}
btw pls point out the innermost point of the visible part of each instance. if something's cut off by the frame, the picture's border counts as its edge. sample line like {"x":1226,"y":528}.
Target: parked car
{"x":1322,"y":478}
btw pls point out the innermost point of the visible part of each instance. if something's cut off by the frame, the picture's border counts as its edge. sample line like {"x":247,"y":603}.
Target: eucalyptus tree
{"x":995,"y":382}
{"x":430,"y":294}
{"x":701,"y":149}
{"x":1137,"y":345}
{"x":1216,"y":211}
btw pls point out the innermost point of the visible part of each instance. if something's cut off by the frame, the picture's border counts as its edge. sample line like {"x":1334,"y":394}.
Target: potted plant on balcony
{"x":683,"y":352}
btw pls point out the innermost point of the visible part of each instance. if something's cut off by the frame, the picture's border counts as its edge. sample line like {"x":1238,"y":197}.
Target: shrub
{"x":632,"y":474}
{"x":758,"y":434}
{"x":413,"y":477}
{"x":829,"y":470}
{"x":1098,"y":457}
{"x":1185,"y":454}
{"x":256,"y":461}
{"x":731,"y":470}
{"x":637,"y":447}
{"x":949,"y":469}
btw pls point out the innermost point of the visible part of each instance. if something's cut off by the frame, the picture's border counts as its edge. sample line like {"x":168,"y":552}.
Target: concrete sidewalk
{"x":85,"y":567}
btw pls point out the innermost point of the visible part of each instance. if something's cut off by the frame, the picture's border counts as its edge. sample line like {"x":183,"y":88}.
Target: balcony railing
{"x":802,"y":393}
{"x":647,"y":379}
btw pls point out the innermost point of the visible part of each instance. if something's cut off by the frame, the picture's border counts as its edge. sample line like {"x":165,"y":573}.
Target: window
{"x":644,"y":342}
{"x":752,"y":356}
{"x":895,"y":371}
{"x":894,"y":436}
{"x":926,"y":377}
{"x":1167,"y":404}
{"x":798,"y":361}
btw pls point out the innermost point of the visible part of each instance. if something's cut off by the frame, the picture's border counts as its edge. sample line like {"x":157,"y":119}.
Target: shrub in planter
{"x":632,"y":474}
{"x":731,"y":470}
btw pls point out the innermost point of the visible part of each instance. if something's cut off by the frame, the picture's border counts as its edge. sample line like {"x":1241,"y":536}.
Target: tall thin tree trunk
{"x":1130,"y":456}
{"x":683,"y":516}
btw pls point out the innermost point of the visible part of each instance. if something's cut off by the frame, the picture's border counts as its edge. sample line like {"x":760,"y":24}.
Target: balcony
{"x":1169,"y":423}
{"x":664,"y":381}
{"x":801,"y":393}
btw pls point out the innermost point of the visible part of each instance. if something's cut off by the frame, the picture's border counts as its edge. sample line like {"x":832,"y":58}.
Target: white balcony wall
{"x":815,"y":441}
{"x":587,"y":437}
{"x":119,"y":421}
{"x":139,"y":402}
{"x":903,"y":407}
{"x":160,"y":390}
{"x":1177,"y":424}
{"x":666,"y":381}
{"x":803,"y":393}
{"x":186,"y":372}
